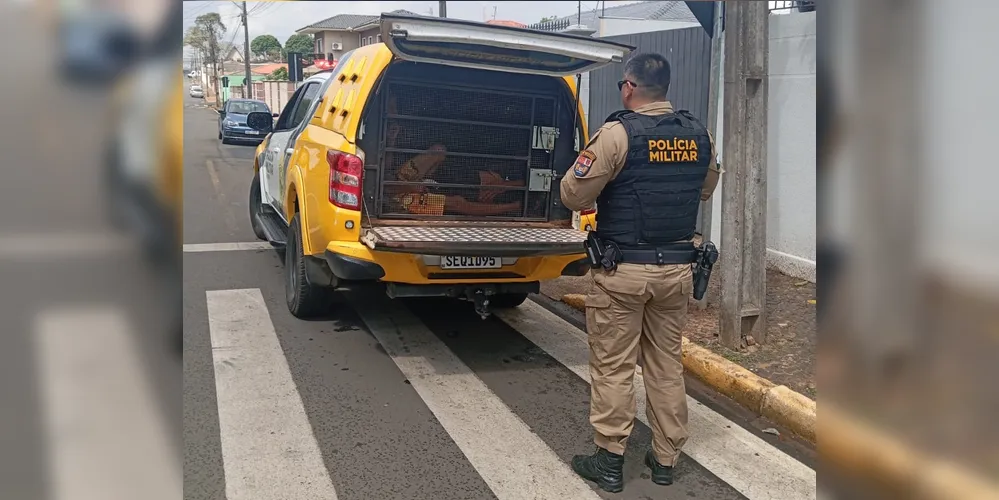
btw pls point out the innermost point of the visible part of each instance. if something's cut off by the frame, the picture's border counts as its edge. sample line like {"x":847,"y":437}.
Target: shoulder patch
{"x":584,"y":162}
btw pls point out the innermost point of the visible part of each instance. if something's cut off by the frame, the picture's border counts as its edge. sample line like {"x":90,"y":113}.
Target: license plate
{"x":253,"y":132}
{"x":455,"y":262}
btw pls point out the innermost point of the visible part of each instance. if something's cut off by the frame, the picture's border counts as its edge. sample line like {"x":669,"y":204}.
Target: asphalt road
{"x":415,"y":400}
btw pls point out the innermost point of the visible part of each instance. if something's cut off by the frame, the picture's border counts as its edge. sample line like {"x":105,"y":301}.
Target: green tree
{"x":279,"y":74}
{"x":548,"y":19}
{"x":265,"y":45}
{"x":301,"y":43}
{"x":206,"y":37}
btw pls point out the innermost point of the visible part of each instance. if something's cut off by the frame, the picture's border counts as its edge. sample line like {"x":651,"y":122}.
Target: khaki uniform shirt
{"x":605,"y":155}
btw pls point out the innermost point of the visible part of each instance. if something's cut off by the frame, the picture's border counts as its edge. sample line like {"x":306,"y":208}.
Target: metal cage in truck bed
{"x":453,"y":152}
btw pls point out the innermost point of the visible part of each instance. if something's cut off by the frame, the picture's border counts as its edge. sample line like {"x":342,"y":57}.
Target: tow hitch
{"x":481,"y":301}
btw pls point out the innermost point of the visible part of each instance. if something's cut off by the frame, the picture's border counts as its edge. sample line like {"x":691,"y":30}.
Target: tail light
{"x":346,"y":172}
{"x":584,"y":213}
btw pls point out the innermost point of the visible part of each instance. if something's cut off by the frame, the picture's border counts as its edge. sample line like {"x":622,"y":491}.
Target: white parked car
{"x":196,"y":91}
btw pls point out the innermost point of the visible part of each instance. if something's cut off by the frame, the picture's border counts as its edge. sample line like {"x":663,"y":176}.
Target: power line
{"x":195,"y":12}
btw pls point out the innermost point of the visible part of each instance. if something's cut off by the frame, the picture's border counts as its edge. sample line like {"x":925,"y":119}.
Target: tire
{"x":220,"y":135}
{"x":256,"y":204}
{"x":304,"y":300}
{"x":507,"y":300}
{"x":226,"y":141}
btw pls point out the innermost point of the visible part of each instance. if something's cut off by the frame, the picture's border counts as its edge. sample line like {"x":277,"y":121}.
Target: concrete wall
{"x":348,"y":40}
{"x":790,"y":148}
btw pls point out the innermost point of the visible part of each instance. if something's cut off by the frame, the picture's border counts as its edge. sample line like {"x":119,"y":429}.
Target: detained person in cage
{"x":418,"y":171}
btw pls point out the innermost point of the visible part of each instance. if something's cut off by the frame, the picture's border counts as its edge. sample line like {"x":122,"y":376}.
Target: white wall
{"x":790,"y":148}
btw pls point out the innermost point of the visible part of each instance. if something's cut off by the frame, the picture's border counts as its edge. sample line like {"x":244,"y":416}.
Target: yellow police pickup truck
{"x":429,"y":162}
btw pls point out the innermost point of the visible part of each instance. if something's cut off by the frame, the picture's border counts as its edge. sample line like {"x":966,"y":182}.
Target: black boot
{"x":603,"y":467}
{"x":661,"y":474}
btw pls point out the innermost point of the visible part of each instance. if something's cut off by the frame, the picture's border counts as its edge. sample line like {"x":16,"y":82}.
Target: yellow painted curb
{"x":858,"y":450}
{"x":791,"y":409}
{"x":575,"y":300}
{"x":780,"y":404}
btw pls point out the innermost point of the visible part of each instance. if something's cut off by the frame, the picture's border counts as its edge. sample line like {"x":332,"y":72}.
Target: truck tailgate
{"x":475,"y":241}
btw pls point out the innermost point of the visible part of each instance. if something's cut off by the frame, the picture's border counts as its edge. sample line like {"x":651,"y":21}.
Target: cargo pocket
{"x":687,"y":287}
{"x":598,"y":320}
{"x":597,"y":299}
{"x":616,"y":284}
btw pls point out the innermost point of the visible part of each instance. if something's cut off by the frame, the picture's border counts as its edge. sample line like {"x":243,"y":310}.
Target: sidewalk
{"x":788,"y":358}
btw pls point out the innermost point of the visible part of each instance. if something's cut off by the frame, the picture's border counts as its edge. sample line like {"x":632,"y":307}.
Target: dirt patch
{"x":788,"y":358}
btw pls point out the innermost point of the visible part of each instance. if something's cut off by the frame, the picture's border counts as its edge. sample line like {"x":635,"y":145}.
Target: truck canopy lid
{"x":456,"y":42}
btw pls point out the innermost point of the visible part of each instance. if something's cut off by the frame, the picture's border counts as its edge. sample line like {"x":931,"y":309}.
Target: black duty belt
{"x":679,"y":254}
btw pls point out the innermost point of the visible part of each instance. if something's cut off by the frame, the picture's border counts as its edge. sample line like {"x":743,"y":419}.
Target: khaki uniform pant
{"x":638,"y":310}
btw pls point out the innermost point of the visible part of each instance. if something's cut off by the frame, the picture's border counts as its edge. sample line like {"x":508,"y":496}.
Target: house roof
{"x":513,"y":24}
{"x":266,"y":69}
{"x":652,"y":10}
{"x":346,"y":22}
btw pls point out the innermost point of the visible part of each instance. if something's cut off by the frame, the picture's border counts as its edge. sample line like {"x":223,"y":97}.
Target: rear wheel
{"x":507,"y":300}
{"x":255,"y":206}
{"x":304,"y":299}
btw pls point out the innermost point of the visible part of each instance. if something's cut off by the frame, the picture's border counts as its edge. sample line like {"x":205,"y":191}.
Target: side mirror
{"x":275,"y":115}
{"x":222,"y":113}
{"x":259,"y":120}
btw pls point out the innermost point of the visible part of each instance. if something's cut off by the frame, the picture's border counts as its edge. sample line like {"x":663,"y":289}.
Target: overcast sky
{"x":281,"y":19}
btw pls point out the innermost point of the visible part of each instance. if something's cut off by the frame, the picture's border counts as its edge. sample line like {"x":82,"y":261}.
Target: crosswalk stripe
{"x":226,"y":247}
{"x":510,"y":458}
{"x":269,"y":451}
{"x":744,"y":461}
{"x":105,"y":437}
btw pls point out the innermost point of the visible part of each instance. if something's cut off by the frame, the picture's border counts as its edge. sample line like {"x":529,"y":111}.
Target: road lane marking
{"x":227,"y":247}
{"x":269,"y":451}
{"x":105,"y":437}
{"x":215,"y":179}
{"x":217,"y":185}
{"x":510,"y":458}
{"x":743,"y":460}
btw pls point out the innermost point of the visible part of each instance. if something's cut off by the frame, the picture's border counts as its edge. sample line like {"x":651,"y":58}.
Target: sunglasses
{"x":620,"y":84}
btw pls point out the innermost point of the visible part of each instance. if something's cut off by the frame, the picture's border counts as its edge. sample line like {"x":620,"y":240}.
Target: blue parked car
{"x":232,"y":121}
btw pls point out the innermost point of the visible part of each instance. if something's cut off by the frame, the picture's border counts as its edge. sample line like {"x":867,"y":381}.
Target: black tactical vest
{"x":654,"y":199}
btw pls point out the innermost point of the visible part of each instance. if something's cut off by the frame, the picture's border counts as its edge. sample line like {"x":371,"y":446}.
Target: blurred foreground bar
{"x":907,"y":208}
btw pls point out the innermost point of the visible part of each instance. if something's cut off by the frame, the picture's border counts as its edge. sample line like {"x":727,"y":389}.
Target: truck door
{"x":282,"y":143}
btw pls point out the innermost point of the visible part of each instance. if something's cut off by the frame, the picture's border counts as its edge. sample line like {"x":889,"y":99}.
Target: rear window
{"x":247,"y":107}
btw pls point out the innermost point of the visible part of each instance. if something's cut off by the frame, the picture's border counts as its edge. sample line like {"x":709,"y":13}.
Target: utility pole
{"x":213,"y":56}
{"x":442,"y":8}
{"x":579,"y":12}
{"x":714,"y":98}
{"x":248,"y":82}
{"x":744,"y":185}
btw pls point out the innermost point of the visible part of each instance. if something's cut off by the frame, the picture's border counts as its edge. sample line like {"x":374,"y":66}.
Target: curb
{"x":849,"y":445}
{"x":778,"y":403}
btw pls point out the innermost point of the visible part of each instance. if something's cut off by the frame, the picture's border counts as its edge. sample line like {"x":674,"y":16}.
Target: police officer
{"x":647,"y":168}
